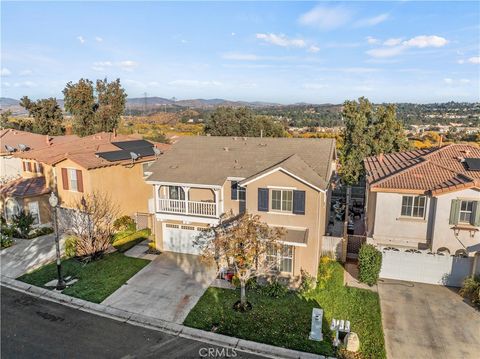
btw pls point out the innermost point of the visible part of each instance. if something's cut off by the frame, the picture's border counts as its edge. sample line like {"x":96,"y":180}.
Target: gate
{"x":353,"y":245}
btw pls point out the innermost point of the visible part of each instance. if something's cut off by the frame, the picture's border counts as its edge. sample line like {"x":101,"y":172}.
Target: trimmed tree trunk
{"x":243,"y":296}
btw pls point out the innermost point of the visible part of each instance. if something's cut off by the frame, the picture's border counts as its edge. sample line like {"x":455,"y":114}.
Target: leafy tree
{"x":229,"y":121}
{"x":368,"y":131}
{"x":241,"y":243}
{"x":23,"y":222}
{"x":4,"y":116}
{"x":96,"y":108}
{"x":46,"y":113}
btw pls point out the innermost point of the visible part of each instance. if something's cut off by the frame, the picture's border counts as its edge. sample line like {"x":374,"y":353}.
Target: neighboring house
{"x":14,"y":141}
{"x":284,"y":180}
{"x":100,"y":163}
{"x":425,"y":199}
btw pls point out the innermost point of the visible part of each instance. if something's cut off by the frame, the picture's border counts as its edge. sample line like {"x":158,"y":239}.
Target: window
{"x":465,"y":213}
{"x":72,"y":179}
{"x":280,"y":259}
{"x":11,"y":209}
{"x":176,"y":192}
{"x":33,"y":210}
{"x":241,"y":193}
{"x":282,"y":200}
{"x":413,"y":206}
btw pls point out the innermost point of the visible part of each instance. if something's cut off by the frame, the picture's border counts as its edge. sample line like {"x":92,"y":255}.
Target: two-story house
{"x":284,"y":180}
{"x":107,"y":163}
{"x":425,"y":199}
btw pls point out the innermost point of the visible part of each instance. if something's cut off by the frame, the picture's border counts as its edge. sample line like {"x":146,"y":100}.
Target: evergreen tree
{"x":46,"y":113}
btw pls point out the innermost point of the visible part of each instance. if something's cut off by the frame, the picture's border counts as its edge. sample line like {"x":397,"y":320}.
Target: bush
{"x":471,"y":290}
{"x":5,"y":240}
{"x":71,"y":246}
{"x":251,"y":283}
{"x":40,"y":232}
{"x":23,"y":222}
{"x":325,"y":271}
{"x":307,"y":282}
{"x":275,"y":289}
{"x":124,"y":223}
{"x":125,"y":243}
{"x":369,"y":264}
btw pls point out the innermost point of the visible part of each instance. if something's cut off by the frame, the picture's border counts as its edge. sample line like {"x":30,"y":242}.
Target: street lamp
{"x":53,"y":200}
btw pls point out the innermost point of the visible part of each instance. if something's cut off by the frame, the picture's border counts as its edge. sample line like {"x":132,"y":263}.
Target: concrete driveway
{"x":27,"y":254}
{"x":427,"y":321}
{"x":167,"y":288}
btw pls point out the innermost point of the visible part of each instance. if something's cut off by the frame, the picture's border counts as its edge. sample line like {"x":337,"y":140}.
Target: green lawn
{"x":125,"y":240}
{"x":286,"y":321}
{"x":96,"y":280}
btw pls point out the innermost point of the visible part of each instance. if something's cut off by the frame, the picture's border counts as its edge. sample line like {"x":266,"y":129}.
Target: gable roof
{"x":34,"y":141}
{"x":85,"y":151}
{"x":210,"y":160}
{"x":25,"y":187}
{"x":435,"y":170}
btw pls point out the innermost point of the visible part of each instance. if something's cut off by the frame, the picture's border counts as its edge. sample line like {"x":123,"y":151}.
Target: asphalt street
{"x":36,"y":328}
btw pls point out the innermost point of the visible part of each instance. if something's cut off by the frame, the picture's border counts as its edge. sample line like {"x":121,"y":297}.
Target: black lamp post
{"x":53,"y":200}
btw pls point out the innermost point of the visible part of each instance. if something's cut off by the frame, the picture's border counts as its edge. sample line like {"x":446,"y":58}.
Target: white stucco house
{"x":426,"y":199}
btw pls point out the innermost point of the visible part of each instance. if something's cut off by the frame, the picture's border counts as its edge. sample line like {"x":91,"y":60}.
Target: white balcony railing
{"x":207,"y":209}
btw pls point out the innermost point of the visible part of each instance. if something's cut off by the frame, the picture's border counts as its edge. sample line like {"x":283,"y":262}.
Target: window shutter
{"x":454,"y":211}
{"x":263,"y":199}
{"x":65,"y":178}
{"x":29,"y":166}
{"x":234,"y":189}
{"x":476,"y":214}
{"x":299,"y":202}
{"x":24,"y":167}
{"x":79,"y":181}
{"x":40,"y":168}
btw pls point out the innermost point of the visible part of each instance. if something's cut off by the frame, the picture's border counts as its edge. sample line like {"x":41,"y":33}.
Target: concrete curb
{"x":158,"y":324}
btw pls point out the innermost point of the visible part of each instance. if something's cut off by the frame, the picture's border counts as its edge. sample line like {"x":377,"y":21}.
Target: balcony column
{"x":217,"y":201}
{"x":185,"y":191}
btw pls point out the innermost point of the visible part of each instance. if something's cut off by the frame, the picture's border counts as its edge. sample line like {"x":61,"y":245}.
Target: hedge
{"x":369,"y":264}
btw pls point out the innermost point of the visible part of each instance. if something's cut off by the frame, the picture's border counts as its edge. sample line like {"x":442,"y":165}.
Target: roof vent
{"x":157,"y":151}
{"x":262,"y":144}
{"x":174,"y":166}
{"x":244,"y":138}
{"x":461,"y":159}
{"x":226,"y":149}
{"x":22,"y":147}
{"x":9,"y":148}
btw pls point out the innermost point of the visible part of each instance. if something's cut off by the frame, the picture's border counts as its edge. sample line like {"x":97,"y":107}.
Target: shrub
{"x":471,"y":290}
{"x":369,"y":264}
{"x":307,"y":282}
{"x":124,"y":223}
{"x":40,"y":232}
{"x":251,"y":283}
{"x":125,"y":243}
{"x":275,"y":289}
{"x":325,"y":271}
{"x":5,"y":240}
{"x":71,"y":246}
{"x":23,"y":222}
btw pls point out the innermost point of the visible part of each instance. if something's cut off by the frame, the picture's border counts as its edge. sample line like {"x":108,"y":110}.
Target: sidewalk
{"x":157,"y":324}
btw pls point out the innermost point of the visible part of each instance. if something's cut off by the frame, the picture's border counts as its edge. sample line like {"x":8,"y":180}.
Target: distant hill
{"x":7,"y":101}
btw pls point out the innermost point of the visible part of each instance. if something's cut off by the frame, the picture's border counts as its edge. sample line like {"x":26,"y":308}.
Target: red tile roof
{"x":434,"y":170}
{"x":13,"y":138}
{"x":25,"y":187}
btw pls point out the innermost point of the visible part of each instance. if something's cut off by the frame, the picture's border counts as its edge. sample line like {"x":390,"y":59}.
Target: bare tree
{"x":241,"y":243}
{"x":91,"y":222}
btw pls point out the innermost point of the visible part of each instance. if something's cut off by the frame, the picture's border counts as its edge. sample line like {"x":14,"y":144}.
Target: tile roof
{"x":13,"y":138}
{"x":434,"y":170}
{"x":83,"y":151}
{"x":210,"y":160}
{"x":25,"y":187}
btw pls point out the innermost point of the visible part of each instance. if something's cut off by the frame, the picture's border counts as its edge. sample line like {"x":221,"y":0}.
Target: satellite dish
{"x":9,"y":148}
{"x":157,"y":151}
{"x":134,"y":156}
{"x":22,"y":147}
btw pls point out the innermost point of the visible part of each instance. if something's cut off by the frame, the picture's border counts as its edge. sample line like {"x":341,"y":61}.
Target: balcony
{"x":194,"y":208}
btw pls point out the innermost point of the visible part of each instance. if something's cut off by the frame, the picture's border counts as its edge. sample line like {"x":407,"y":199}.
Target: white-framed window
{"x":241,"y":193}
{"x":72,"y":179}
{"x":34,"y":211}
{"x":413,"y":206}
{"x":281,"y":259}
{"x":465,"y":212}
{"x":176,"y":192}
{"x":282,"y":200}
{"x":11,"y":209}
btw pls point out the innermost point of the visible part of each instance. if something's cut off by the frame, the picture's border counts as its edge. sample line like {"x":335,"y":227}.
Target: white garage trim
{"x":179,"y":238}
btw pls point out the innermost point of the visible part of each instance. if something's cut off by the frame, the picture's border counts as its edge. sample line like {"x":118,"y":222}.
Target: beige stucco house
{"x":425,"y":199}
{"x":284,"y":180}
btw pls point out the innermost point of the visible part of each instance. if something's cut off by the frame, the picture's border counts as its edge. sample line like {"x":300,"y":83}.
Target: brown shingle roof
{"x":211,"y":160}
{"x":34,"y":141}
{"x":433,"y":170}
{"x":25,"y":187}
{"x":83,"y":151}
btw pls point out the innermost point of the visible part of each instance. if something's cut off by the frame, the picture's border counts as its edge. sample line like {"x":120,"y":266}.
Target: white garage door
{"x":179,"y":238}
{"x":425,"y":268}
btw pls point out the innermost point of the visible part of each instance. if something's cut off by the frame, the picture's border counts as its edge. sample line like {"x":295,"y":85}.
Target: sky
{"x":284,"y":52}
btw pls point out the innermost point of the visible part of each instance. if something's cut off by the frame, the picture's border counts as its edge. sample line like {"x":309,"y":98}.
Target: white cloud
{"x":371,"y":40}
{"x":27,"y":84}
{"x":372,"y":21}
{"x":465,"y":81}
{"x":386,"y":51}
{"x":5,"y":84}
{"x":233,"y":34}
{"x":474,"y":60}
{"x":240,"y":56}
{"x":313,"y":48}
{"x":314,"y":86}
{"x":81,"y":39}
{"x":5,"y":72}
{"x":461,"y":61}
{"x":393,"y":42}
{"x":448,"y":80}
{"x":195,"y":83}
{"x":423,"y":41}
{"x":183,"y":41}
{"x":98,"y":39}
{"x":281,"y":40}
{"x":103,"y":63}
{"x":127,"y":65}
{"x":455,"y":82}
{"x":326,"y":18}
{"x":25,"y":72}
